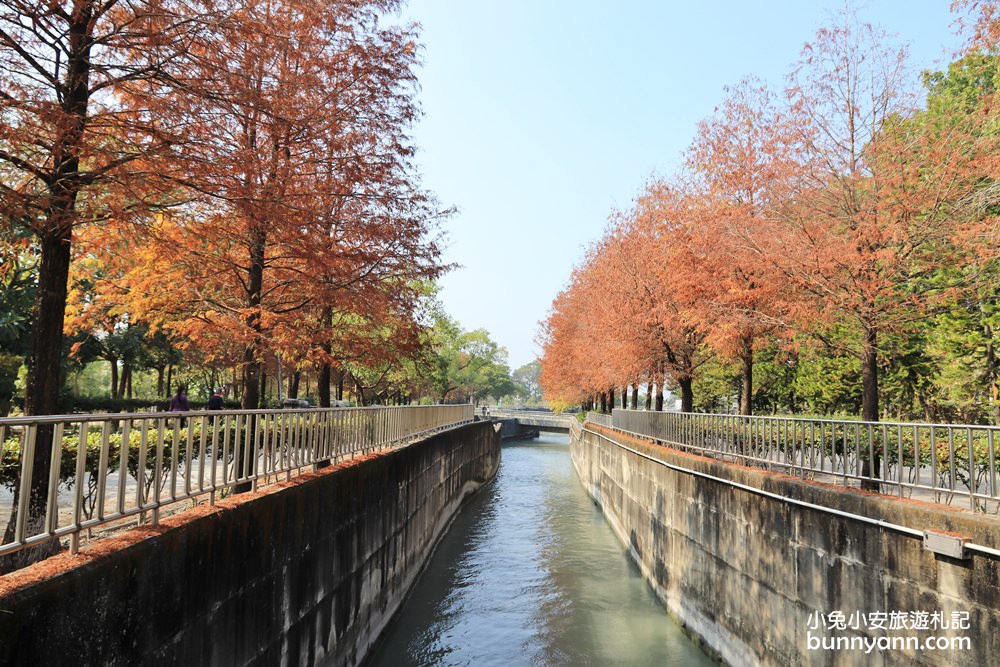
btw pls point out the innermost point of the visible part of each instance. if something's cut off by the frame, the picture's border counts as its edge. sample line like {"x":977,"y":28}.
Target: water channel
{"x":530,"y":574}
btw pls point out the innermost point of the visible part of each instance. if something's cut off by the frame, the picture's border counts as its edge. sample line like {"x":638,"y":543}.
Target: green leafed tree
{"x":466,"y":365}
{"x":525,"y":380}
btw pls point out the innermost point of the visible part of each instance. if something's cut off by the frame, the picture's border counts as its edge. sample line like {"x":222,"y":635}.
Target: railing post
{"x":51,"y":507}
{"x":81,"y":460}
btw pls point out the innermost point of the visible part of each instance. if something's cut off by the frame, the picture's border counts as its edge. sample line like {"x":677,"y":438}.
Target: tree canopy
{"x":829,"y":248}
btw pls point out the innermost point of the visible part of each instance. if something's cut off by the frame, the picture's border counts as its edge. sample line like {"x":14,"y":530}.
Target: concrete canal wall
{"x":307,"y":573}
{"x":747,"y":573}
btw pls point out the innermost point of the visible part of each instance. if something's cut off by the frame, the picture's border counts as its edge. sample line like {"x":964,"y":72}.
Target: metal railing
{"x":935,"y":462}
{"x":599,"y":418}
{"x":108,"y":468}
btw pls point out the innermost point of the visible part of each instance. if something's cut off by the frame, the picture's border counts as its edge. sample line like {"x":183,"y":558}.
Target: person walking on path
{"x":179,"y":401}
{"x":215,"y":402}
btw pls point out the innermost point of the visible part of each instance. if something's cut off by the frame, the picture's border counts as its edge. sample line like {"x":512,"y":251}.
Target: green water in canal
{"x":531,"y":574}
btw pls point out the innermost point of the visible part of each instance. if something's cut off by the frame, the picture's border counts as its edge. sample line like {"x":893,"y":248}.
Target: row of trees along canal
{"x":831,"y":250}
{"x":221,"y":185}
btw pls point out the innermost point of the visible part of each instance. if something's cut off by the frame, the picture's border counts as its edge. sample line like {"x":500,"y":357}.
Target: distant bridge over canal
{"x":534,"y":420}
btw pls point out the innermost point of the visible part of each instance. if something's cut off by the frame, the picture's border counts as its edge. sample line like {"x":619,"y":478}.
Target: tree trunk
{"x":264,"y":387}
{"x":659,"y":394}
{"x":113,"y":361}
{"x":293,"y":384}
{"x":869,"y":377}
{"x":252,"y":353}
{"x":324,"y":376}
{"x":323,"y":383}
{"x":361,"y":392}
{"x":120,"y":389}
{"x":871,"y":466}
{"x":687,"y":394}
{"x":746,"y":390}
{"x":611,"y":399}
{"x":253,"y":371}
{"x":604,"y":403}
{"x":123,"y":380}
{"x":649,"y":394}
{"x":635,"y":395}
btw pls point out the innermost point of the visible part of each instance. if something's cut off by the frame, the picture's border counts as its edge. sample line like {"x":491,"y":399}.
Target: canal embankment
{"x":529,"y":573}
{"x":307,"y":572}
{"x":756,"y":564}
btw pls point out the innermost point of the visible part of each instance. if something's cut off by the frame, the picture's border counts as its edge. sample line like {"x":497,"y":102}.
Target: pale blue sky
{"x":540,"y":117}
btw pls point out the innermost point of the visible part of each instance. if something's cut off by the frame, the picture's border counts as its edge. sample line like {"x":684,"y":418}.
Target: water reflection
{"x":530,"y":573}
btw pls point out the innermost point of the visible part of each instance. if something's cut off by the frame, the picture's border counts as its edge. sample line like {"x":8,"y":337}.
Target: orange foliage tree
{"x":302,"y":200}
{"x":629,"y":313}
{"x":566,"y":338}
{"x":671,"y":243}
{"x":73,"y":152}
{"x":747,"y":159}
{"x":880,"y":204}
